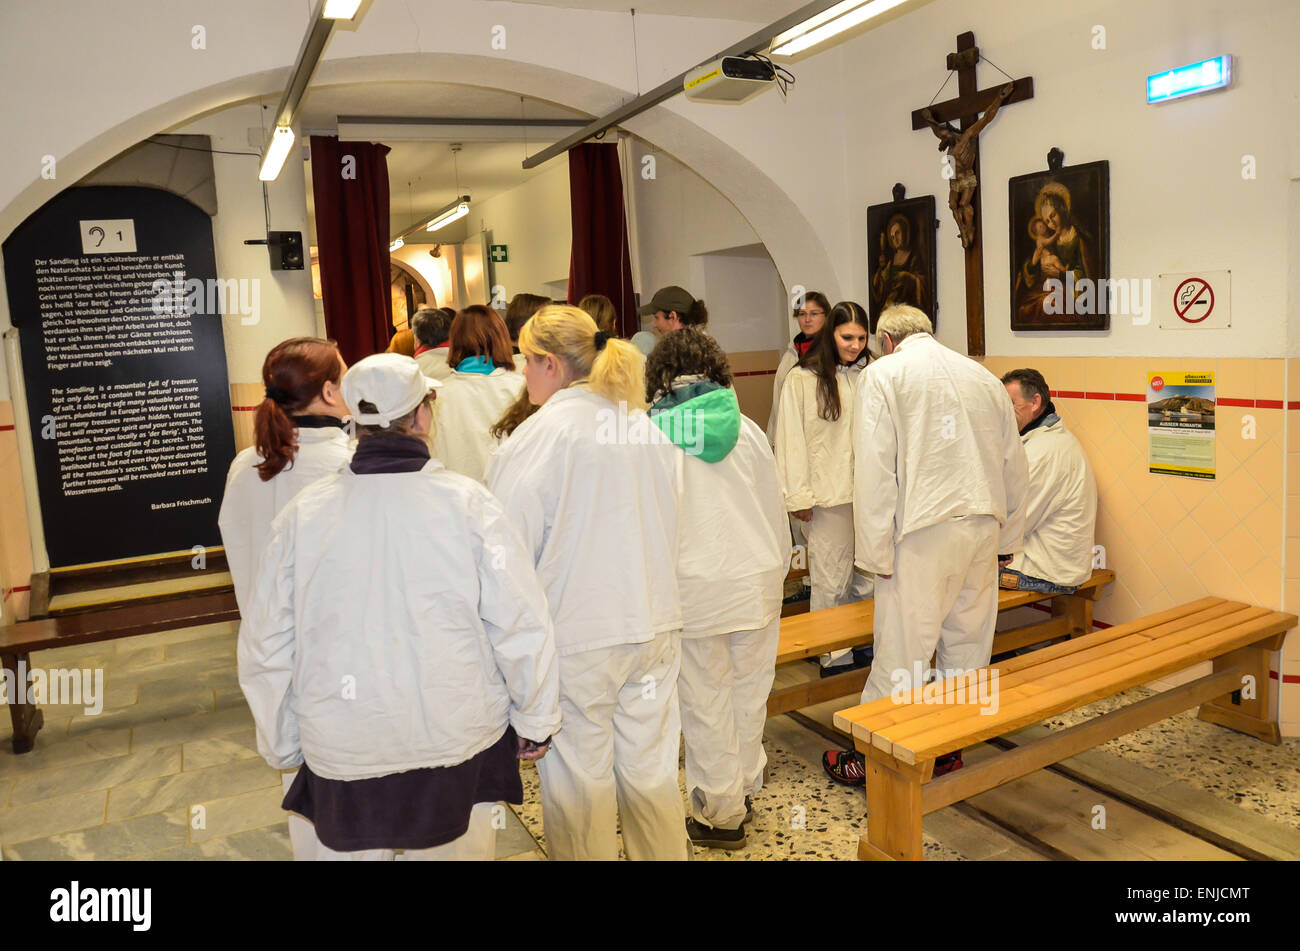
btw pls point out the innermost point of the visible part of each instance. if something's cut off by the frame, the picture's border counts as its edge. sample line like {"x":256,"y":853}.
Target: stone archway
{"x":793,"y":243}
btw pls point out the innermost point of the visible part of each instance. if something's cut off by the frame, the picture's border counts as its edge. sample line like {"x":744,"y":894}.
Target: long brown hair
{"x":479,"y":332}
{"x":294,"y":373}
{"x":515,"y":414}
{"x":823,"y":356}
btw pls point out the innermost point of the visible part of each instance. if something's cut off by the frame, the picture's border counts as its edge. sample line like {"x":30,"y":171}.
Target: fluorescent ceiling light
{"x":276,"y":152}
{"x":454,"y":212}
{"x":397,"y":243}
{"x":831,"y":22}
{"x":435,"y":131}
{"x":340,"y":9}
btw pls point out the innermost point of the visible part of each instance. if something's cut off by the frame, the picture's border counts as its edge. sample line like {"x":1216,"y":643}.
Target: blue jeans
{"x":1024,"y":582}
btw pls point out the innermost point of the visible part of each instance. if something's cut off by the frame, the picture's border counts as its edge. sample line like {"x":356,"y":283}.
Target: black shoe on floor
{"x":861,"y":658}
{"x":803,"y":594}
{"x":711,"y":838}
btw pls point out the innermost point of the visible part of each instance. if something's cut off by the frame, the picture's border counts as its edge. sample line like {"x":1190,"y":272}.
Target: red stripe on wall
{"x":243,"y":409}
{"x":753,"y":372}
{"x":1099,"y":396}
{"x":1228,"y":401}
{"x":1294,"y":404}
{"x":1268,"y":404}
{"x":1131,"y":397}
{"x":1069,"y":394}
{"x":5,"y":429}
{"x":1288,"y":679}
{"x":1141,"y":398}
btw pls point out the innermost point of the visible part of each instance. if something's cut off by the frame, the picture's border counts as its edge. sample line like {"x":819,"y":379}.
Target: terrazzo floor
{"x":169,"y":770}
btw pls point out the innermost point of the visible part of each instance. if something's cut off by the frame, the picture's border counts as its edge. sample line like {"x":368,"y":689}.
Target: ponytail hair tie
{"x":601,"y":338}
{"x":277,"y":395}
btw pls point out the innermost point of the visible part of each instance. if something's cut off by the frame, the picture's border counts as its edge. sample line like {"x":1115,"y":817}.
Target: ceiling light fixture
{"x":276,"y":152}
{"x":832,"y":22}
{"x":397,"y":243}
{"x":453,"y":212}
{"x":340,"y":9}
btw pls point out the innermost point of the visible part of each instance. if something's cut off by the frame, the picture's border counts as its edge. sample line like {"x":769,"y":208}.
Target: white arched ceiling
{"x":790,"y":238}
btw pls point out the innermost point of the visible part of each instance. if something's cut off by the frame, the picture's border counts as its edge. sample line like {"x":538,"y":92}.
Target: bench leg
{"x":1077,"y":609}
{"x":893,"y":808}
{"x":1253,"y":716}
{"x":27,"y":719}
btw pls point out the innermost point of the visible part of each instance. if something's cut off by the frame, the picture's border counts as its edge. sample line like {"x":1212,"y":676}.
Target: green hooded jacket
{"x":702,"y":419}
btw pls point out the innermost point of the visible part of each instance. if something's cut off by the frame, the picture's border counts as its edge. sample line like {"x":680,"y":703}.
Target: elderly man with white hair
{"x":939,"y":503}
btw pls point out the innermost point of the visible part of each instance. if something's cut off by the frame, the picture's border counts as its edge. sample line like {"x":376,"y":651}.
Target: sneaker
{"x":711,"y":838}
{"x":861,"y":658}
{"x":845,"y":766}
{"x":803,"y":594}
{"x":944,"y":765}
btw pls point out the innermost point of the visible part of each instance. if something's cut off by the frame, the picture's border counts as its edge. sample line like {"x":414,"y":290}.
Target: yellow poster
{"x":1180,"y":424}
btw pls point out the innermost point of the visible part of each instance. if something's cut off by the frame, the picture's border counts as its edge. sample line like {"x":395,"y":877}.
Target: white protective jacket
{"x":595,"y":496}
{"x":396,"y":624}
{"x":467,"y":406}
{"x":433,"y":363}
{"x":814,"y":456}
{"x":1061,"y":508}
{"x":249,"y":504}
{"x":789,"y":360}
{"x":934,"y":438}
{"x":733,"y":530}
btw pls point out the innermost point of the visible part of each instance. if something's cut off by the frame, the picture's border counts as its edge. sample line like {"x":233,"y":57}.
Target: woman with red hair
{"x":482,"y":385}
{"x":299,"y":439}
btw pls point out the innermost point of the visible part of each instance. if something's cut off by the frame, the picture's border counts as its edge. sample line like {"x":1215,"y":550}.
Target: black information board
{"x":112,"y":289}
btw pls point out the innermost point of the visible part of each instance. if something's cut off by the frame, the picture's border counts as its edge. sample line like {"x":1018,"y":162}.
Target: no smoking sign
{"x":1196,"y":301}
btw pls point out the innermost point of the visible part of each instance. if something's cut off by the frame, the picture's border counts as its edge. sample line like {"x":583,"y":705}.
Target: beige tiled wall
{"x":1171,"y":539}
{"x":15,"y":545}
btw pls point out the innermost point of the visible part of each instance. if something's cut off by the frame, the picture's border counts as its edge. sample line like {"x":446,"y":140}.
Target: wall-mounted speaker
{"x":286,"y":250}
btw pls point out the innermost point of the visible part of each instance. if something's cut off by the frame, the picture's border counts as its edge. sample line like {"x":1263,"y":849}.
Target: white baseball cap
{"x":391,"y":381}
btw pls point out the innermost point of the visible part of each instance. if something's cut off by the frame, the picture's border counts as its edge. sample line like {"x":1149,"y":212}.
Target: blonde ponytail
{"x":615,"y":371}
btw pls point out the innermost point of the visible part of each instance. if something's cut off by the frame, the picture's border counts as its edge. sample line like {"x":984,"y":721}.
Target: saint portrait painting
{"x":900,"y":255}
{"x":1060,"y":249}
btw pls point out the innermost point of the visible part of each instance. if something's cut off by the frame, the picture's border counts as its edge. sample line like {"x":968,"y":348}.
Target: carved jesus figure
{"x":960,"y":145}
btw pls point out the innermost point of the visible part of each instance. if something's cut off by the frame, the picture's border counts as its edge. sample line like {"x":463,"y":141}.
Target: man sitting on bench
{"x":938,"y":504}
{"x":1061,"y":511}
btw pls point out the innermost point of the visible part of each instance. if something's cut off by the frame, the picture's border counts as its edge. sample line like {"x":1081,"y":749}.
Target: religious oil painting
{"x":900,"y":255}
{"x":1060,"y":249}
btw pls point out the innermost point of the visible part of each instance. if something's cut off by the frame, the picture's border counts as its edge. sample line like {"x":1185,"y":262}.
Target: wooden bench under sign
{"x":19,"y":641}
{"x":851,"y":625}
{"x":901,"y":737}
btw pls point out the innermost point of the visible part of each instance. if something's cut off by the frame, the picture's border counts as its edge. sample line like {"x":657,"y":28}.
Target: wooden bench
{"x":851,"y":625}
{"x":901,"y":737}
{"x":19,"y":641}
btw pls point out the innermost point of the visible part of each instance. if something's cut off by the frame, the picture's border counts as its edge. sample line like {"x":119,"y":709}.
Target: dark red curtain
{"x":350,"y":184}
{"x":600,"y":263}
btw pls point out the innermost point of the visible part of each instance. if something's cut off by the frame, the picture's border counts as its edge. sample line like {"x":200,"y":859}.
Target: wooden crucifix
{"x":962,"y":144}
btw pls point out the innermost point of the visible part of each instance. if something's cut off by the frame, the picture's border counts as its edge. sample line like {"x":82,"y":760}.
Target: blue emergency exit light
{"x":1189,"y":80}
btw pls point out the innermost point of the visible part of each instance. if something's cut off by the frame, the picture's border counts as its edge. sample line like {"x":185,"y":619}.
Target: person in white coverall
{"x":299,"y":438}
{"x":940,"y":487}
{"x":1061,"y":510}
{"x":810,"y":315}
{"x":732,"y":555}
{"x":814,"y":457}
{"x":482,"y":385}
{"x":595,"y":496}
{"x":398,"y":646}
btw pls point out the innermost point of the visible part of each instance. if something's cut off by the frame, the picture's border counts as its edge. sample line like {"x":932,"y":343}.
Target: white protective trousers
{"x":830,"y":566}
{"x":616,"y":755}
{"x":723,"y":689}
{"x":478,"y":844}
{"x":942,"y":600}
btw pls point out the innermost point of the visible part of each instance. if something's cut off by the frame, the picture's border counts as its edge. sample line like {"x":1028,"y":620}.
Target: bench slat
{"x":1100,"y":660}
{"x":1165,"y":661}
{"x":894,"y":712}
{"x":851,"y":625}
{"x":49,"y":633}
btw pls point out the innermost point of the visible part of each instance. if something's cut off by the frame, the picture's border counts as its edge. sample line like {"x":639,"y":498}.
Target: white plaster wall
{"x":801,"y":171}
{"x":533,"y":220}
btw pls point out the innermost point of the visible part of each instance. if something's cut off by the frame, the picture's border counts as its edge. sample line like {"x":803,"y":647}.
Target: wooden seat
{"x":851,"y":625}
{"x":901,"y":736}
{"x":18,"y":641}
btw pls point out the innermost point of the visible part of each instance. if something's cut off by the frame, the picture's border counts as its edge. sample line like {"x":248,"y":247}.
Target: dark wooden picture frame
{"x":901,"y":266}
{"x":1060,"y":237}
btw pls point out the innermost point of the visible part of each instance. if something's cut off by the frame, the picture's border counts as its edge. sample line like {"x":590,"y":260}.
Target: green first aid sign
{"x":499,"y":253}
